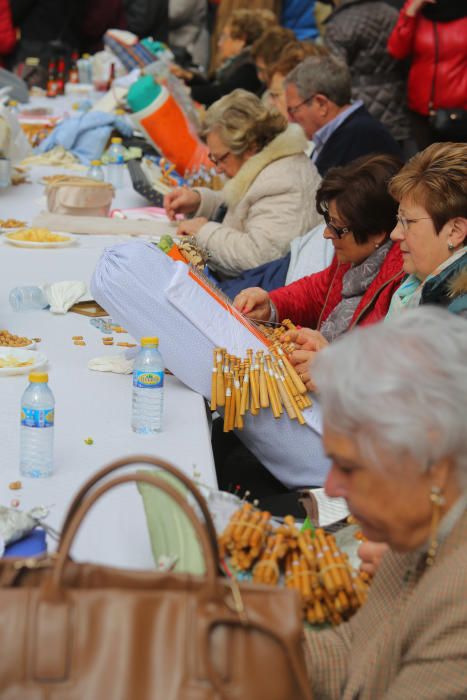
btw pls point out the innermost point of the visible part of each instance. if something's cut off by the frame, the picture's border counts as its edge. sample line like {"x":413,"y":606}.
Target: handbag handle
{"x":141,"y":459}
{"x":210,"y":552}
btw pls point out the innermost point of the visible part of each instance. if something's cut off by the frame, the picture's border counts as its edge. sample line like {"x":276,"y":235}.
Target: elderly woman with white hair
{"x":394,"y":400}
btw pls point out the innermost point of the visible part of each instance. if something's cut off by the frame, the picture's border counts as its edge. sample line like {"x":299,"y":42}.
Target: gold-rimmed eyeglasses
{"x":218,"y":160}
{"x":405,"y":222}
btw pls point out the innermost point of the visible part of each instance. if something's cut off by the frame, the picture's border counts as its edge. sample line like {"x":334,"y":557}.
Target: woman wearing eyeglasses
{"x":366,"y":270}
{"x":269,"y":198}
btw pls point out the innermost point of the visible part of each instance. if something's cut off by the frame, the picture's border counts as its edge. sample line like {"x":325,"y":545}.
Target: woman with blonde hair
{"x":269,"y":197}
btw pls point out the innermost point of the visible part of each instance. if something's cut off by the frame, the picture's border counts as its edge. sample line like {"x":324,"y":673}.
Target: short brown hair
{"x":270,"y":44}
{"x":437,"y":179}
{"x":246,"y":25}
{"x":294,"y":53}
{"x":360,"y":192}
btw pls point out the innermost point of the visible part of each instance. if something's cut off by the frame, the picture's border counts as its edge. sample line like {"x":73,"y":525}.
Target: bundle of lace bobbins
{"x":310,"y":562}
{"x":265,"y":380}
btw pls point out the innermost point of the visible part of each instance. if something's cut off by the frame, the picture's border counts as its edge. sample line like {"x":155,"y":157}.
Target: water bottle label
{"x":37,"y":418}
{"x":148,"y":380}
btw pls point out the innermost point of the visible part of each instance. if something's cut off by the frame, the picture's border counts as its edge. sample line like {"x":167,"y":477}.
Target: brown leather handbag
{"x":73,"y":631}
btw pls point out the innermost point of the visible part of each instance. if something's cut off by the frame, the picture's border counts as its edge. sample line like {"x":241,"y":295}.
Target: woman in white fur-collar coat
{"x":270,"y":196}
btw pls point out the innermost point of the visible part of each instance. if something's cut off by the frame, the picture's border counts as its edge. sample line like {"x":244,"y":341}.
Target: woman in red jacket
{"x":367,"y":267}
{"x":434,"y":35}
{"x":7,"y":30}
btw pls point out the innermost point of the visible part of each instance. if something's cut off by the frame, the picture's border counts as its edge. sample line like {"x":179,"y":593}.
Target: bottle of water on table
{"x":115,"y":162}
{"x":148,"y":388}
{"x":37,"y":427}
{"x":95,"y":171}
{"x":27,"y":299}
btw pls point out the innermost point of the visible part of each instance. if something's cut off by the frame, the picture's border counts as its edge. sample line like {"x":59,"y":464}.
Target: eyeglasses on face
{"x":338,"y":232}
{"x":405,"y":223}
{"x":292,"y":110}
{"x":218,"y":160}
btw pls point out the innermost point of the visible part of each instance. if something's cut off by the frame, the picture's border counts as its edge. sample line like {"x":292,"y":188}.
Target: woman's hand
{"x":181,"y":200}
{"x":254,"y":302}
{"x":308,"y":343}
{"x":181,"y":72}
{"x":414,"y":7}
{"x":371,"y":554}
{"x":190,"y":227}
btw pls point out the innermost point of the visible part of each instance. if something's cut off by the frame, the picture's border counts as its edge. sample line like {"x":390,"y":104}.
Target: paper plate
{"x":70,"y":240}
{"x":37,"y":359}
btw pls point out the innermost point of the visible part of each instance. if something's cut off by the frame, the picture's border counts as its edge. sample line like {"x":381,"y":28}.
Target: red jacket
{"x":415,"y":37}
{"x":309,"y":301}
{"x":7,"y":30}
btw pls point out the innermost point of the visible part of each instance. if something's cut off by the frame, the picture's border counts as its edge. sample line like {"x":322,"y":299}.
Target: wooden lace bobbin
{"x":238,"y":420}
{"x":213,"y":403}
{"x":226,"y":539}
{"x":307,"y":551}
{"x":228,"y":402}
{"x":220,"y":389}
{"x":254,"y":384}
{"x":241,"y":521}
{"x":245,"y":389}
{"x":274,"y":397}
{"x":284,"y":394}
{"x":316,"y":614}
{"x":332,"y":614}
{"x":250,"y":526}
{"x":277,"y":350}
{"x":263,"y":390}
{"x":339,"y":559}
{"x":259,"y":535}
{"x":327,"y":562}
{"x":290,"y":386}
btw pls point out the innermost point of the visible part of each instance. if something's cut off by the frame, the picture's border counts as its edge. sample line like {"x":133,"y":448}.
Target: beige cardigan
{"x":270,"y":201}
{"x":409,"y":640}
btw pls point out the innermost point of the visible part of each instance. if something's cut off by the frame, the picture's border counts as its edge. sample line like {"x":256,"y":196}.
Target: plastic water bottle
{"x":95,"y":171}
{"x":27,"y":299}
{"x":116,"y":163}
{"x":148,"y":388}
{"x":37,"y":427}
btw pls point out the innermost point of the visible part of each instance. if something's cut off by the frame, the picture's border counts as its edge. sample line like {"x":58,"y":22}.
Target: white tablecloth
{"x":88,"y":404}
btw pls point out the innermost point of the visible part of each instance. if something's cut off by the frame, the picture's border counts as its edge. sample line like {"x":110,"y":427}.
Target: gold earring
{"x":451,"y":247}
{"x":437,"y":499}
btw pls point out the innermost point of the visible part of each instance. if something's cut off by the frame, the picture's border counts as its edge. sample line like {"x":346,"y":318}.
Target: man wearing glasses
{"x":318,"y":98}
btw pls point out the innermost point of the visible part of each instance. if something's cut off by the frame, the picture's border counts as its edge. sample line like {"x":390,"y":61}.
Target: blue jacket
{"x":299,"y":15}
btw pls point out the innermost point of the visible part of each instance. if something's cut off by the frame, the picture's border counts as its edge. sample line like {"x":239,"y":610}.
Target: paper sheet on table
{"x":103,"y":225}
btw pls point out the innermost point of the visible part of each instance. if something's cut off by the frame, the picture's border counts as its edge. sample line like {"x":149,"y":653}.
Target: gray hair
{"x":326,"y":75}
{"x":400,"y":387}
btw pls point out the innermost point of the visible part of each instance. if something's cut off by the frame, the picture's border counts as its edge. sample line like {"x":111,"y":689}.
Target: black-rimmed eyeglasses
{"x":338,"y":232}
{"x":292,"y":110}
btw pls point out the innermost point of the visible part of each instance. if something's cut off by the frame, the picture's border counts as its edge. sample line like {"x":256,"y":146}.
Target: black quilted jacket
{"x":358,"y":31}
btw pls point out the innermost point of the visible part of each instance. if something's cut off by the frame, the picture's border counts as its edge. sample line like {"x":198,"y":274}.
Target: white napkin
{"x":111,"y":363}
{"x":62,"y":295}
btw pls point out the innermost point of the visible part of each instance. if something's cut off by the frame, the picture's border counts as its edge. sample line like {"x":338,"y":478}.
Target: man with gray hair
{"x":318,"y":98}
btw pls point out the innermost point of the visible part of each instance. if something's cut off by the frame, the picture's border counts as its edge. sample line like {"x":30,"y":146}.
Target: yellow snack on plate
{"x":12,"y":361}
{"x":37,"y":235}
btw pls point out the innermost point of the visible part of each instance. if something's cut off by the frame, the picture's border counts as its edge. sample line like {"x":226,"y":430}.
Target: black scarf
{"x":445,"y":10}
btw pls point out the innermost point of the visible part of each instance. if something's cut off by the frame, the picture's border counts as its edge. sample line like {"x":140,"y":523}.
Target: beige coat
{"x":270,"y":201}
{"x":409,"y":640}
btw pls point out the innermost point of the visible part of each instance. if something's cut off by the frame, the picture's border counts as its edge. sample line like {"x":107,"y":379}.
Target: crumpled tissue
{"x":118,"y":364}
{"x":62,"y":295}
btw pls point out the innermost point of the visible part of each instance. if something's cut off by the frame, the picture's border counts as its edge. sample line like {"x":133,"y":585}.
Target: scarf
{"x":410,"y":292}
{"x":355,"y":283}
{"x":445,"y":10}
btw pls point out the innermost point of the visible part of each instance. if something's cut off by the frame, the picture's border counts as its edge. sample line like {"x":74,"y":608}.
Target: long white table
{"x":88,"y":404}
